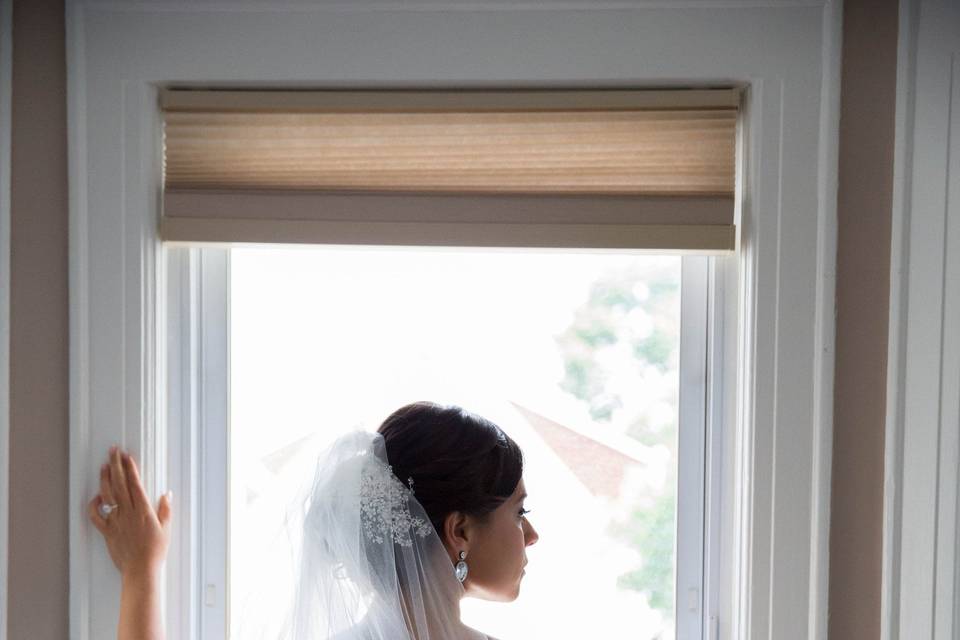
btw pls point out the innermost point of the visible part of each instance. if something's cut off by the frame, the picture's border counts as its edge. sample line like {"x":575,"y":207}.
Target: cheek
{"x":498,"y":574}
{"x":504,"y":550}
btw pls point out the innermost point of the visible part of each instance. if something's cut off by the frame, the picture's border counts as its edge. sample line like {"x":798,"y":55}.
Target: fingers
{"x":120,"y":484}
{"x":118,"y":479}
{"x":165,"y":509}
{"x":137,"y":493}
{"x":106,"y":491}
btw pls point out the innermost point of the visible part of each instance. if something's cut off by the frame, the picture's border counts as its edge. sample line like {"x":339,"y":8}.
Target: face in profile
{"x":498,"y":551}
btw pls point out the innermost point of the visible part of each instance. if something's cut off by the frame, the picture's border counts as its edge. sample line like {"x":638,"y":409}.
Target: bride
{"x":396,"y":527}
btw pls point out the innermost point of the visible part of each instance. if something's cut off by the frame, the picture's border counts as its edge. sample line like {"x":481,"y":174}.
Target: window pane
{"x":575,"y":355}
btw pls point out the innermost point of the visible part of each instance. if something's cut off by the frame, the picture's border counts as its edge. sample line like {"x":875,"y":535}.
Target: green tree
{"x":651,"y":530}
{"x":633,"y":312}
{"x":607,"y":320}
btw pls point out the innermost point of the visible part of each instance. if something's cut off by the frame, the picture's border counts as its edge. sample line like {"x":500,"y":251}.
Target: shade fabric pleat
{"x":639,"y":152}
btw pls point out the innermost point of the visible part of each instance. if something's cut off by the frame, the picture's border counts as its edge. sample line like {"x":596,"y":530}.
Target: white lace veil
{"x":368,"y":564}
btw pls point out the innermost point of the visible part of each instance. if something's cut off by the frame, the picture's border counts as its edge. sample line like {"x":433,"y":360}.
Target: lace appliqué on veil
{"x":384,"y":509}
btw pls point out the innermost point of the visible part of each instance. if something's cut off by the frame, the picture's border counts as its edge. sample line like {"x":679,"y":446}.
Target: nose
{"x":530,"y":535}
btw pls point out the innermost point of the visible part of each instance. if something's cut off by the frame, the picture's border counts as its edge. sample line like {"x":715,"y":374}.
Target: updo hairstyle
{"x":458,"y":460}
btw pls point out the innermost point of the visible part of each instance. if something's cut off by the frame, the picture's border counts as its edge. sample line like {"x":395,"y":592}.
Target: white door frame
{"x":787,"y":53}
{"x":921,"y":532}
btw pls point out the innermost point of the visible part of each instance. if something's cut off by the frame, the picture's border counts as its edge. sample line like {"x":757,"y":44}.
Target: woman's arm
{"x":137,"y":538}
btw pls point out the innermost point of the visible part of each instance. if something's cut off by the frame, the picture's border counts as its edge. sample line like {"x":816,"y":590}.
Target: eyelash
{"x":524,"y":512}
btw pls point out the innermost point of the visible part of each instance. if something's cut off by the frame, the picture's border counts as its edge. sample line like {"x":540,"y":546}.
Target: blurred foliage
{"x":632,"y":313}
{"x":630,"y":322}
{"x":651,"y":530}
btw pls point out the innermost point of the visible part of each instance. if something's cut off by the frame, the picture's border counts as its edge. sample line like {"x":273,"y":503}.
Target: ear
{"x":457,"y":531}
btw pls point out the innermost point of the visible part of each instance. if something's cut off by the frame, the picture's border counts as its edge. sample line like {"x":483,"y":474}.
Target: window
{"x":596,"y":363}
{"x":776,"y":348}
{"x":590,"y":359}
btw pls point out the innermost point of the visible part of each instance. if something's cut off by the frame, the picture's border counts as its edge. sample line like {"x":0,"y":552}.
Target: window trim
{"x":781,"y":393}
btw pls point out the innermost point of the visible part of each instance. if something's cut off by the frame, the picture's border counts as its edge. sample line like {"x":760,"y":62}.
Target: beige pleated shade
{"x":259,"y":159}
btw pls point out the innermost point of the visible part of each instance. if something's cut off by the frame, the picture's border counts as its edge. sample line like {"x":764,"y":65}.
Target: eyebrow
{"x":522,"y":496}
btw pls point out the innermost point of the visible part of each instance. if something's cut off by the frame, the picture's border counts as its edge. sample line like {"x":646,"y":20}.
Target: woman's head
{"x":468,"y":476}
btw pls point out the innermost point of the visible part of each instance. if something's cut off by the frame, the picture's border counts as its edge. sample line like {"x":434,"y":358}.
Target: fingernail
{"x":170,"y":496}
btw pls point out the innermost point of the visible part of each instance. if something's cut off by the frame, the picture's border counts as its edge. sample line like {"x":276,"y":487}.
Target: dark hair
{"x":458,"y":460}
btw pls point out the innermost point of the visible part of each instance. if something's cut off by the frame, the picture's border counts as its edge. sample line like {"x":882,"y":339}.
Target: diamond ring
{"x":107,"y":509}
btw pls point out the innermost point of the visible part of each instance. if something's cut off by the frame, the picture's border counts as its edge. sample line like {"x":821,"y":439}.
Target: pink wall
{"x":863,"y":291}
{"x":39,"y":438}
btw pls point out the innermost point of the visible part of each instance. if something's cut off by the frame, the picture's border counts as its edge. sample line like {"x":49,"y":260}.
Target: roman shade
{"x":604,"y":169}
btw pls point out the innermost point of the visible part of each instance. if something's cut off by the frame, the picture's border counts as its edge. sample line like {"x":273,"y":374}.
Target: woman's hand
{"x":137,"y":536}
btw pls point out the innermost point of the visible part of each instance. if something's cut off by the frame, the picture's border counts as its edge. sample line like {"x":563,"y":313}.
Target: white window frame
{"x":198,"y":408}
{"x":779,"y":322}
{"x":197,"y":426}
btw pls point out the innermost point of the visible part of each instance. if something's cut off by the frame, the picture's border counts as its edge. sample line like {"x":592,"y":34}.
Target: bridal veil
{"x":367,"y":564}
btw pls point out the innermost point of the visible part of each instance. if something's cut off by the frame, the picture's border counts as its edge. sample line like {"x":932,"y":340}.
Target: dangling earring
{"x":461,"y":568}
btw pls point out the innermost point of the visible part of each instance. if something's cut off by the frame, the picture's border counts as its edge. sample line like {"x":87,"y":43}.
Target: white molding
{"x":81,"y":538}
{"x":6,"y":131}
{"x":118,"y":52}
{"x":896,"y":343}
{"x":824,"y":359}
{"x":921,"y":530}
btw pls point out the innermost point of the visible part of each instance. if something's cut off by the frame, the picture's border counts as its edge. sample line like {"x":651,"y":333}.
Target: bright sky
{"x":324,"y":338}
